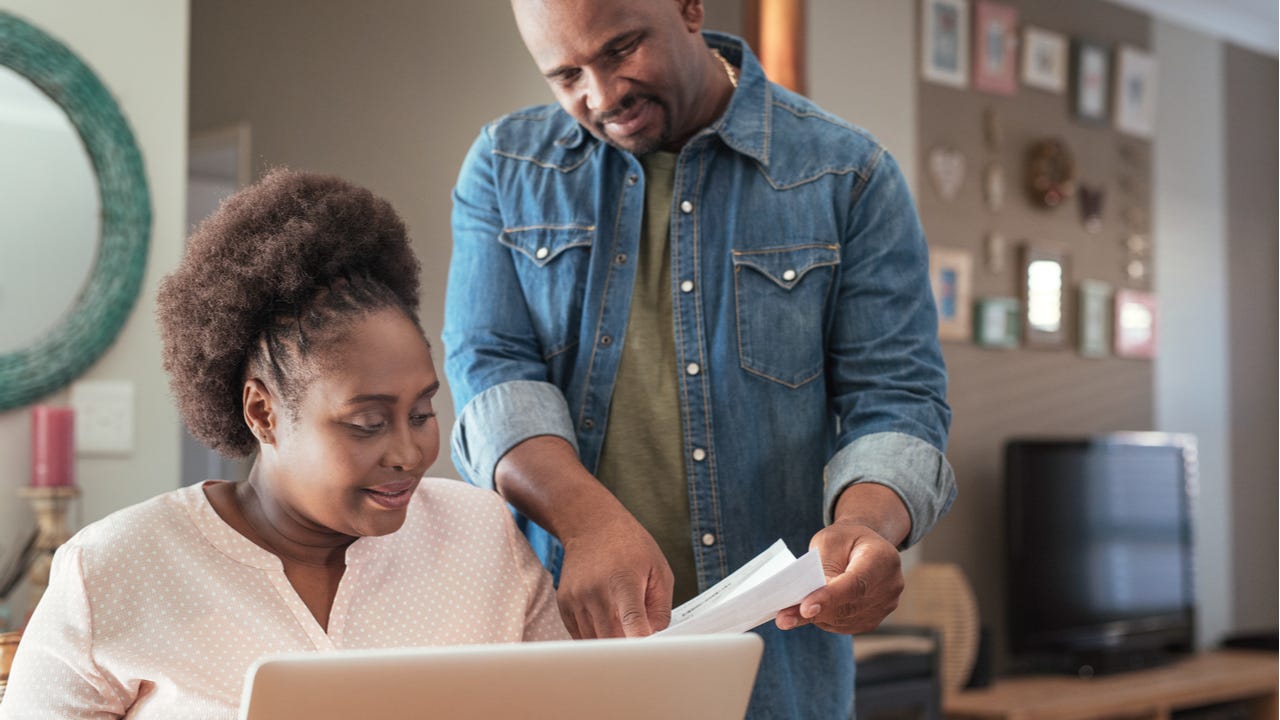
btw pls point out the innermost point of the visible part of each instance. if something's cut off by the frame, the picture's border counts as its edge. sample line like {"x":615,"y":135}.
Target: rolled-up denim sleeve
{"x":888,"y":379}
{"x":502,"y":417}
{"x":493,"y":360}
{"x":911,"y":467}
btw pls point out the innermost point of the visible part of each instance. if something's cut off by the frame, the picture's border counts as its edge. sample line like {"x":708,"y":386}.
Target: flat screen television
{"x":1099,"y":537}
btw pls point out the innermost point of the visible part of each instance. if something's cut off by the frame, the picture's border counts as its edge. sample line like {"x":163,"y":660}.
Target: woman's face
{"x":364,"y":431}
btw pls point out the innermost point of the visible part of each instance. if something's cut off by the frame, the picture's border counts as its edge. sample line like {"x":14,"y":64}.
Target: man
{"x":689,"y":314}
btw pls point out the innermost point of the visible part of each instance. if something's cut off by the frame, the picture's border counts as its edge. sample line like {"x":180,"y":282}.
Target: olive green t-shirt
{"x":641,"y":461}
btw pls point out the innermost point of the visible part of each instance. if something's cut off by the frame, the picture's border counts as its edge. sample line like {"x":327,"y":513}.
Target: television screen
{"x":1100,"y":547}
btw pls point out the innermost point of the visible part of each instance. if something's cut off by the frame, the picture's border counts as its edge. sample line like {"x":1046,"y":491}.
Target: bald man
{"x":689,"y":314}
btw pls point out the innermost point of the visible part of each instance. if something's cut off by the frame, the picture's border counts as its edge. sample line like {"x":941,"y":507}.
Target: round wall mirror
{"x":76,"y":220}
{"x":50,"y":213}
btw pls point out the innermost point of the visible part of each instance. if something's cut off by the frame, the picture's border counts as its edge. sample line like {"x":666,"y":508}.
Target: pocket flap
{"x":785,"y":266}
{"x":542,"y":243}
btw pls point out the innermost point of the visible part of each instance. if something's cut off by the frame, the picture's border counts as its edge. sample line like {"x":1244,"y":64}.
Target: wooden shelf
{"x":1200,"y":680}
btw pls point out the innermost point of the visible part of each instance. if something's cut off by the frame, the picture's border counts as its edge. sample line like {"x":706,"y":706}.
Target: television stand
{"x":1196,"y":681}
{"x":1091,"y":663}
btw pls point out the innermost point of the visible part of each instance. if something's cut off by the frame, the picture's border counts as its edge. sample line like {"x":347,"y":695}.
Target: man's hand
{"x":614,"y":582}
{"x":864,"y":580}
{"x":861,"y":562}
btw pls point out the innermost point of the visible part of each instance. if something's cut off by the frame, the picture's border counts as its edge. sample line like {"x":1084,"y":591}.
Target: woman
{"x":289,"y":329}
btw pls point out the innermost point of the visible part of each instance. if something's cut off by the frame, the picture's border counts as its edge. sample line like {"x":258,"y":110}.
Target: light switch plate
{"x":104,"y":416}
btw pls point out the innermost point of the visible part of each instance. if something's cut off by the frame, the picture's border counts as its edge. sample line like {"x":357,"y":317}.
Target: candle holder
{"x":50,"y":505}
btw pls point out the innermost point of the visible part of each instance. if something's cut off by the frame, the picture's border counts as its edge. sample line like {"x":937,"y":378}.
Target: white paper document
{"x":770,"y":582}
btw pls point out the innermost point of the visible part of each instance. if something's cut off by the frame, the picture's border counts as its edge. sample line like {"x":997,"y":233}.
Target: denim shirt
{"x":804,"y":324}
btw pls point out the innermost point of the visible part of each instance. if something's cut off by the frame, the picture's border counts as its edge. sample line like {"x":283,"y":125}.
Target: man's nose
{"x":603,"y":92}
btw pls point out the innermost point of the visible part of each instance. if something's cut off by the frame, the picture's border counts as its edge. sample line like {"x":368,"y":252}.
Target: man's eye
{"x":627,"y":49}
{"x":567,"y":78}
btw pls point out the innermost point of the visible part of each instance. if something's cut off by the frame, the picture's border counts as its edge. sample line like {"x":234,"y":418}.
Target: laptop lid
{"x":708,"y":677}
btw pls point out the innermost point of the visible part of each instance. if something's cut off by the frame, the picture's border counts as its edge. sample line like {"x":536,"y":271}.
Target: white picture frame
{"x":944,"y":42}
{"x":1135,"y":92}
{"x":1044,"y":60}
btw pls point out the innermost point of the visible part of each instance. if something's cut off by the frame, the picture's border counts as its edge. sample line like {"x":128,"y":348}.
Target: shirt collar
{"x":745,"y":124}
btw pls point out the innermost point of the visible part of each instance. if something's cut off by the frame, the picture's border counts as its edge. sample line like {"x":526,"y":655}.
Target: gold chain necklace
{"x":729,"y":70}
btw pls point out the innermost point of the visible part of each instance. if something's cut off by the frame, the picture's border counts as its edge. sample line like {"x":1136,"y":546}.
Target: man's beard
{"x":636,"y":145}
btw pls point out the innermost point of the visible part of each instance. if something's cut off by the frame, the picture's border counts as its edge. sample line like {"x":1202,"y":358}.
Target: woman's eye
{"x":367,"y":428}
{"x":420,"y":419}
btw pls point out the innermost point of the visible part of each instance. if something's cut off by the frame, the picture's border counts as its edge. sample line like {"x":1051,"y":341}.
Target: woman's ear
{"x":259,"y":411}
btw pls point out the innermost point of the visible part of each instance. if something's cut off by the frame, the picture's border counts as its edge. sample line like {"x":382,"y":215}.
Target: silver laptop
{"x":708,"y":677}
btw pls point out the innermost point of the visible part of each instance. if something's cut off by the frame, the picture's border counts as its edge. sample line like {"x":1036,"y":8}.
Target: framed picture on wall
{"x":1135,"y":324}
{"x":1043,"y":282}
{"x":996,"y":322}
{"x":1135,"y":92}
{"x":944,"y":42}
{"x":1090,"y":78}
{"x":1093,"y":310}
{"x":995,"y":47}
{"x":950,"y":272}
{"x":1044,"y":60}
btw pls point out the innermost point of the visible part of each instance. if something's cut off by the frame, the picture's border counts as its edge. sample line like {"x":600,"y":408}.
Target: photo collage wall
{"x":1065,"y":123}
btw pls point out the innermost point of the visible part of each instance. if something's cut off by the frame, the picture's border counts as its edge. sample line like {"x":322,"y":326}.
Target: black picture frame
{"x":1090,"y":81}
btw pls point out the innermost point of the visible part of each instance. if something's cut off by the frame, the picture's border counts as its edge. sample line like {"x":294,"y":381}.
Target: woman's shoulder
{"x":444,"y":495}
{"x":162,"y":519}
{"x":453,"y":506}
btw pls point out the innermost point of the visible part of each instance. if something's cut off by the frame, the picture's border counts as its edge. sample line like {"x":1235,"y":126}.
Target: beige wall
{"x":861,"y":67}
{"x":138,"y":48}
{"x":1191,"y":273}
{"x":1252,"y":326}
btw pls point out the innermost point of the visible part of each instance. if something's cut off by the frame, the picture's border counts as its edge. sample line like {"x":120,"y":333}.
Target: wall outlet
{"x":104,"y":417}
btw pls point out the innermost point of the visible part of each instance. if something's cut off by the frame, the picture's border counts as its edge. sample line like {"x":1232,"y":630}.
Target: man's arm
{"x":514,"y":432}
{"x":614,"y":581}
{"x":889,"y":482}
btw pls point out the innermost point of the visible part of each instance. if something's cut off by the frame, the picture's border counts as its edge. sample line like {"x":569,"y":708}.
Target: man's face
{"x":627,"y":70}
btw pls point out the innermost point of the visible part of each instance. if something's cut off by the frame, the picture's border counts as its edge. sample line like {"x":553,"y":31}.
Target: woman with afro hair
{"x":290,"y":330}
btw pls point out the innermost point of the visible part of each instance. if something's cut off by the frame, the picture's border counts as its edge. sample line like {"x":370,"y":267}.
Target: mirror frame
{"x":99,"y":312}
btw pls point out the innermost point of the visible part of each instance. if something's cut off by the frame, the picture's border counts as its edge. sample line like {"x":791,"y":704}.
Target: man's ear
{"x":259,"y":411}
{"x":693,"y":13}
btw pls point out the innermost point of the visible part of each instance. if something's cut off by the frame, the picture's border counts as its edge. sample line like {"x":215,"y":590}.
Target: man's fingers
{"x":570,"y":622}
{"x":627,"y":593}
{"x":657,"y":601}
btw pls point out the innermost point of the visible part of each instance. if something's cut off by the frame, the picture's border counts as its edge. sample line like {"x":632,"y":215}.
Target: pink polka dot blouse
{"x":158,"y":610}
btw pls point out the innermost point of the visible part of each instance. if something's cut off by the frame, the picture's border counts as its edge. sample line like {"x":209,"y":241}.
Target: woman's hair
{"x":266,"y":282}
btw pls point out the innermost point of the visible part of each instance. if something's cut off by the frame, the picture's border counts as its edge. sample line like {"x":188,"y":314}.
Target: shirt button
{"x":588,"y":424}
{"x":632,"y":179}
{"x":789,"y":275}
{"x":692,"y":368}
{"x":708,"y":539}
{"x":606,"y":340}
{"x":620,"y":258}
{"x":686,"y":207}
{"x":699,"y":454}
{"x":542,"y":253}
{"x":686,"y":286}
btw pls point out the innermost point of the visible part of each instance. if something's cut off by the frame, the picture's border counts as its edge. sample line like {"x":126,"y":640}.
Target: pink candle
{"x":52,"y":446}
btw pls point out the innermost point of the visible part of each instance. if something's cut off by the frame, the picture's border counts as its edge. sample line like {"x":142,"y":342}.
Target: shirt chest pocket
{"x":552,"y":263}
{"x":781,"y":298}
